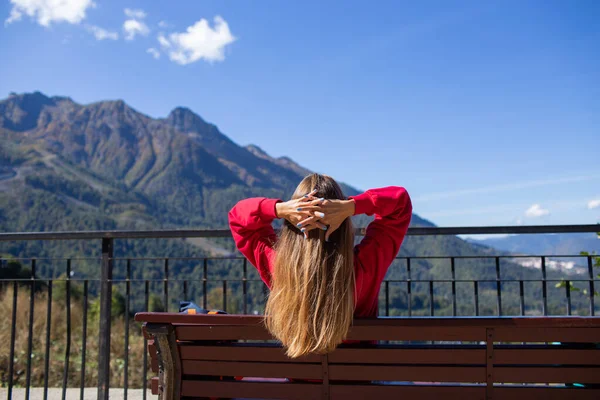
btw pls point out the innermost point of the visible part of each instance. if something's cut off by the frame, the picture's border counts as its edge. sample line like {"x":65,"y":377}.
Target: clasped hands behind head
{"x":310,"y":212}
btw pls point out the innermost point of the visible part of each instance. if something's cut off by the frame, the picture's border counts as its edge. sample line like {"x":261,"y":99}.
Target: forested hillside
{"x":103,"y":166}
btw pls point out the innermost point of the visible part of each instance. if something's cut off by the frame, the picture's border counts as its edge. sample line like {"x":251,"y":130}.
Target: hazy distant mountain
{"x":550,"y":244}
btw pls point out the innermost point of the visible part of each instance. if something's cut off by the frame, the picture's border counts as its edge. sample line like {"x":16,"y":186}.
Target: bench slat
{"x":546,"y":374}
{"x":407,"y":356}
{"x":454,"y":392}
{"x":402,"y":333}
{"x":407,"y":373}
{"x":420,"y":322}
{"x":547,"y":356}
{"x":291,"y":391}
{"x":225,"y":332}
{"x":241,"y":352}
{"x":546,"y":393}
{"x":257,"y":369}
{"x":395,"y":392}
{"x":578,"y":335}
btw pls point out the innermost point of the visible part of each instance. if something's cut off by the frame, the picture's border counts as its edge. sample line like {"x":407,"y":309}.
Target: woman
{"x":318,"y":279}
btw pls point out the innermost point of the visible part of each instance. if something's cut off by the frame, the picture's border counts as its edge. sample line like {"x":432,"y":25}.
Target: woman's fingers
{"x":308,"y":208}
{"x":305,"y":221}
{"x":312,"y":193}
{"x":321,"y":226}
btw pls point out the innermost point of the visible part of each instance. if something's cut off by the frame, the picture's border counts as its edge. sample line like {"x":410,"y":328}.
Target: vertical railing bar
{"x":105,"y":318}
{"x":145,"y":356}
{"x":68,"y":343}
{"x":544,"y":288}
{"x":127,"y":304}
{"x":48,"y":327}
{"x":453,"y":270}
{"x":30,"y":337}
{"x":11,"y":362}
{"x":409,"y":286}
{"x":166,"y":285}
{"x":185,"y":290}
{"x":476,"y":295}
{"x":204,"y":285}
{"x":498,"y":287}
{"x":387,"y":298}
{"x":568,"y":290}
{"x":225,"y":295}
{"x":245,"y":285}
{"x":84,"y":339}
{"x":431,"y":308}
{"x":592,"y":290}
{"x":522,"y":297}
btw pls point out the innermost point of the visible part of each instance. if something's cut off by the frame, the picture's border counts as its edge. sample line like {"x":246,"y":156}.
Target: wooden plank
{"x":154,"y":385}
{"x":547,"y":374}
{"x":579,"y":335}
{"x":401,"y":333}
{"x":208,"y":332}
{"x":388,"y":355}
{"x":151,"y":348}
{"x":406,"y":373}
{"x":254,"y":369}
{"x":241,"y":352}
{"x":395,"y":392}
{"x":271,"y":390}
{"x":484,"y":322}
{"x":154,"y":364}
{"x":544,"y":392}
{"x":202,"y":319}
{"x":547,"y":355}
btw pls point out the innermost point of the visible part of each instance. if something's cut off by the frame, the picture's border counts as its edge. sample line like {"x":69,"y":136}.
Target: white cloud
{"x":45,"y":12}
{"x":101,"y":33}
{"x":198,"y":42}
{"x":536,"y":211}
{"x":163,"y":24}
{"x":155,"y":53}
{"x":135,"y":14}
{"x":163,"y":41}
{"x":593,"y":204}
{"x":133,"y":27}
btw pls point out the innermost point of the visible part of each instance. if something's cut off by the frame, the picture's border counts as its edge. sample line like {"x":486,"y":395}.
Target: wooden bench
{"x":471,"y":358}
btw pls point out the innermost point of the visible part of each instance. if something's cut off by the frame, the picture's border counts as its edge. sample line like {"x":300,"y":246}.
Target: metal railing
{"x":412,"y":288}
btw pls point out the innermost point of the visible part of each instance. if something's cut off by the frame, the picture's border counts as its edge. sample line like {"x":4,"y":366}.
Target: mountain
{"x":103,"y":166}
{"x":549,"y":244}
{"x":108,"y":160}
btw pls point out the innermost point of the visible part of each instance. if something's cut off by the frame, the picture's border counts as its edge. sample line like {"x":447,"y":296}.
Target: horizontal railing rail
{"x":406,"y":285}
{"x":225,"y":233}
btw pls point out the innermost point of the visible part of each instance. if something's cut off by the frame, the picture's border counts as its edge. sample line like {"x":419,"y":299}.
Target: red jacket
{"x":250,"y":221}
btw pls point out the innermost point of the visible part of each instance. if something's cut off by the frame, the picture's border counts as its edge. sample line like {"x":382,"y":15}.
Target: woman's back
{"x":318,"y":285}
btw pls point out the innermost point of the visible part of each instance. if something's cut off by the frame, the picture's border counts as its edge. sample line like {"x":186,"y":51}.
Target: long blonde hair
{"x":311,"y":304}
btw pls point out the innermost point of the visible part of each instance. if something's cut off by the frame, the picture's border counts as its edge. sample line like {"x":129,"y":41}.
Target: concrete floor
{"x":89,"y":394}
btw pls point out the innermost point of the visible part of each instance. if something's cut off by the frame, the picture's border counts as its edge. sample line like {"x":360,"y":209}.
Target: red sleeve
{"x":393,"y":209}
{"x":250,"y":223}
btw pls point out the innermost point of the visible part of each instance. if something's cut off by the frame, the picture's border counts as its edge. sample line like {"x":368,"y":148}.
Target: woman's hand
{"x":294,"y":211}
{"x":329,"y":212}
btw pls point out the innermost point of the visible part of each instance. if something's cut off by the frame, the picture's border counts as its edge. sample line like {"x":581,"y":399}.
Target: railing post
{"x":591,"y":289}
{"x":105,"y":316}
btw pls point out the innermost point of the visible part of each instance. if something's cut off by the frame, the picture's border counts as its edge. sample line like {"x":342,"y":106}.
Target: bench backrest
{"x":200,"y":356}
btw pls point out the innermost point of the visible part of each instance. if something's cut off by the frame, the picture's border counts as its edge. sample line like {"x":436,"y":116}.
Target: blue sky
{"x":488,"y":112}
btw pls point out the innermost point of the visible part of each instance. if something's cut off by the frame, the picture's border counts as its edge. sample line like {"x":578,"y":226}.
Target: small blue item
{"x":190,"y":305}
